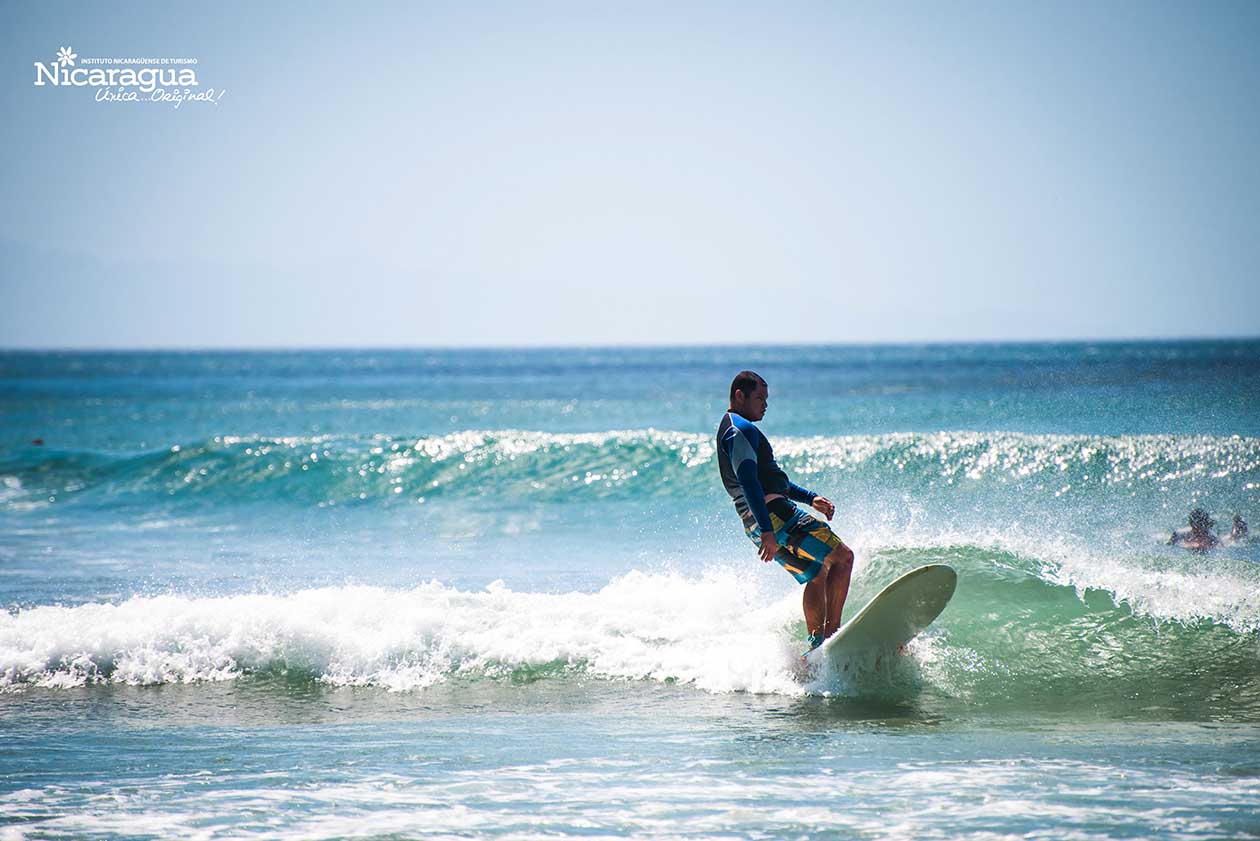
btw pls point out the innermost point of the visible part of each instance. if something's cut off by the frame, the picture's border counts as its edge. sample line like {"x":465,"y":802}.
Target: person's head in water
{"x":749,"y":395}
{"x":1200,"y":521}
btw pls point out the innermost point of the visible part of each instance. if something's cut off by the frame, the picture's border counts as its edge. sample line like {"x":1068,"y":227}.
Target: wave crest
{"x":660,"y":627}
{"x":625,"y":464}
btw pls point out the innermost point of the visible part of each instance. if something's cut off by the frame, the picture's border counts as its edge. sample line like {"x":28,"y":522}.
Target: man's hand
{"x":769,"y":545}
{"x":823,"y":506}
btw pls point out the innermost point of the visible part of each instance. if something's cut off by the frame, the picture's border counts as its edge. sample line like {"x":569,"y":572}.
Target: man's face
{"x":752,"y":406}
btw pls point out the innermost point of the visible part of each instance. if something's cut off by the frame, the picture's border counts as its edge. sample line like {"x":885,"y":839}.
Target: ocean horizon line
{"x":394,"y":348}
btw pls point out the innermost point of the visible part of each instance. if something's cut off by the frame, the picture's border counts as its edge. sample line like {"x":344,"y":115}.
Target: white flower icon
{"x":65,"y":56}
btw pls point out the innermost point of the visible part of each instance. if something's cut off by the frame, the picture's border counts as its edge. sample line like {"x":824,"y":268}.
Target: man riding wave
{"x":804,"y":545}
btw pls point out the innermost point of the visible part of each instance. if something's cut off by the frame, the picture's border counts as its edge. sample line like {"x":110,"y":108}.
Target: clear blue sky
{"x":587,"y":173}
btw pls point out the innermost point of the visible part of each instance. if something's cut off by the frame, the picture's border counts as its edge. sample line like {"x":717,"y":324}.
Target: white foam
{"x":10,"y":488}
{"x":1187,"y":593}
{"x":716,"y":633}
{"x":928,"y":797}
{"x":1183,"y":587}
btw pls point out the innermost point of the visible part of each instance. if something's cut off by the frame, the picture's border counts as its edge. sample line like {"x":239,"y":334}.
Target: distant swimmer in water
{"x":764,"y":499}
{"x":1239,"y":532}
{"x":1199,"y":537}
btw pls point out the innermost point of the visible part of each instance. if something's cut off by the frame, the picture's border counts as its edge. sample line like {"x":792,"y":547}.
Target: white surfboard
{"x":900,"y":612}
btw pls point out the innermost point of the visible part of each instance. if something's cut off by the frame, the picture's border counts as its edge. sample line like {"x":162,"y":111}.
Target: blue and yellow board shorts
{"x":803,"y":540}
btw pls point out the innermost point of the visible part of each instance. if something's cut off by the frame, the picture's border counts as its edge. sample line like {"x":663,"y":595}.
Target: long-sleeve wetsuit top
{"x":749,"y":471}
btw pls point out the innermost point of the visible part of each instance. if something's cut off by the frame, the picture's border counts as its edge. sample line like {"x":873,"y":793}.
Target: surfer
{"x":1199,"y":537}
{"x":804,"y":545}
{"x":1238,"y":533}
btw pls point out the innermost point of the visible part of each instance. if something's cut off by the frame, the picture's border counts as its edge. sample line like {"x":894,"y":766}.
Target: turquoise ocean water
{"x":502,"y":594}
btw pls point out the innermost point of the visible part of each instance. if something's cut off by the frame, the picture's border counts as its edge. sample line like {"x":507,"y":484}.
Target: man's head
{"x":749,"y":395}
{"x":1200,"y":520}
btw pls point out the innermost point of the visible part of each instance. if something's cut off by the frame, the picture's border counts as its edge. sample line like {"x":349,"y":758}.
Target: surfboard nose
{"x":897,"y":614}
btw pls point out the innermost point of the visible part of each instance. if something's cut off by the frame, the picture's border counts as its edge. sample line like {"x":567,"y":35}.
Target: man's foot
{"x":815,"y":640}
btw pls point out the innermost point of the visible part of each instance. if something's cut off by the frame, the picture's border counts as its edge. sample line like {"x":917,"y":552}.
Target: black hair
{"x":747,"y":382}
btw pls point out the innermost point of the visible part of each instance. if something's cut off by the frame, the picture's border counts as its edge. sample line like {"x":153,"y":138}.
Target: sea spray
{"x":1008,"y":637}
{"x":663,"y":627}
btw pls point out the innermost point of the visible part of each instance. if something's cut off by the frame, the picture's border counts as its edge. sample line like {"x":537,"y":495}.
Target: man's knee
{"x":839,"y":558}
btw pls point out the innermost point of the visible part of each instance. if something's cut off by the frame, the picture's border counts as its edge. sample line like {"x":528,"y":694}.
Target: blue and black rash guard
{"x":750,"y":473}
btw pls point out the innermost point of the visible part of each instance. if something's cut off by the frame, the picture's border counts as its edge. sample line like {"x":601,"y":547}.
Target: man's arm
{"x":798,"y":494}
{"x":820,"y":504}
{"x":754,"y":495}
{"x":743,"y":455}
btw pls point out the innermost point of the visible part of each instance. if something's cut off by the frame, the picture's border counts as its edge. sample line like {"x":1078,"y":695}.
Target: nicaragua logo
{"x":171,"y":80}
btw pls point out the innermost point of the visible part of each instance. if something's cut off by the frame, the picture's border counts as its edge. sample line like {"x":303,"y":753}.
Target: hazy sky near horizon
{"x":543,"y":174}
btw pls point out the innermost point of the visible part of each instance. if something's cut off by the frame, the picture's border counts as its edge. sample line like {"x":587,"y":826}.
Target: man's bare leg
{"x":838,"y":565}
{"x":815,"y":602}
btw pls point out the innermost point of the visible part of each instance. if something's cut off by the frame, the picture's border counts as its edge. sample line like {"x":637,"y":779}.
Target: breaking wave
{"x":628,"y":464}
{"x":1019,"y":630}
